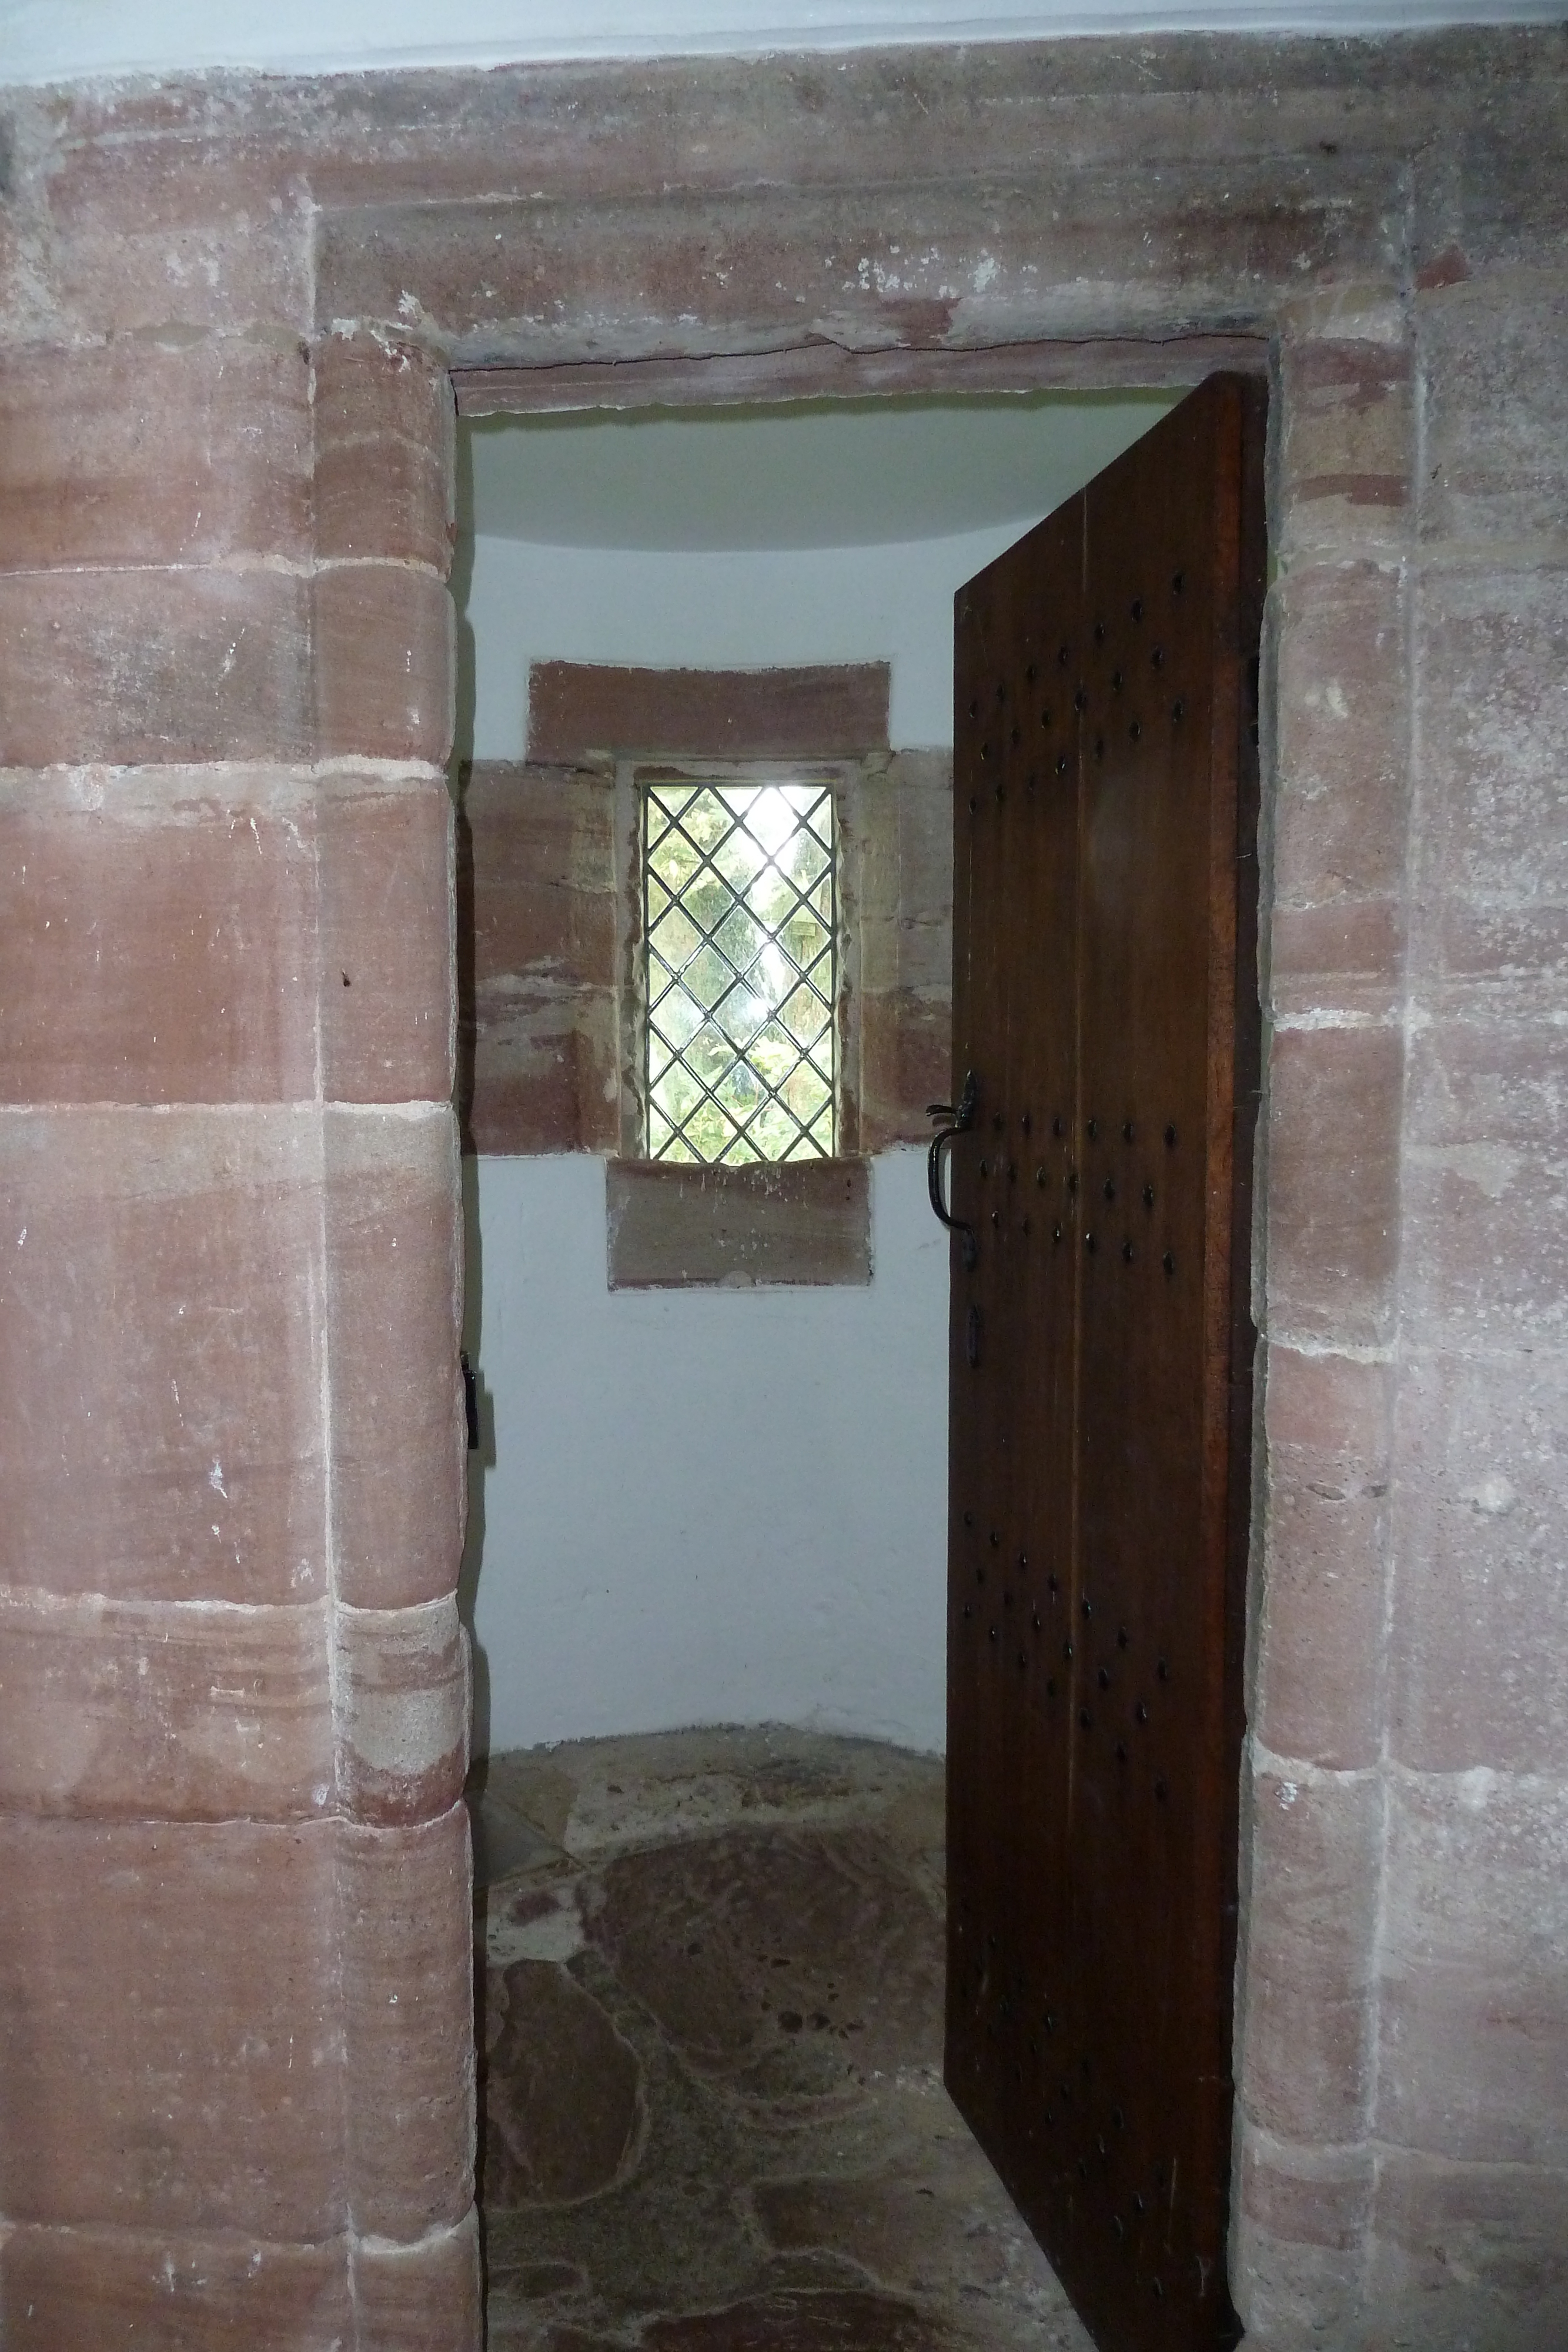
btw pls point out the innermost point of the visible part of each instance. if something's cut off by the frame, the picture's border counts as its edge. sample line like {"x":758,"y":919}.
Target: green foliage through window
{"x":740,"y":918}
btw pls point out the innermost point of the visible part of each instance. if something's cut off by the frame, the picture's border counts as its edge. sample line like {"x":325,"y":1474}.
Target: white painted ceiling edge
{"x":66,"y":40}
{"x":844,"y":474}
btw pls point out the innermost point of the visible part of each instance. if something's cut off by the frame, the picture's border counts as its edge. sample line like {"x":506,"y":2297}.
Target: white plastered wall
{"x":740,"y":609}
{"x":708,"y":1506}
{"x":715,"y":1506}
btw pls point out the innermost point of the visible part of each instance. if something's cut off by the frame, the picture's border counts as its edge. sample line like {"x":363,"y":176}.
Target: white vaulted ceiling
{"x":58,"y":40}
{"x":815,"y":474}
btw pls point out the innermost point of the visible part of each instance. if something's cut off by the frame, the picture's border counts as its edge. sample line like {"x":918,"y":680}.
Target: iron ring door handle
{"x":959,"y":1119}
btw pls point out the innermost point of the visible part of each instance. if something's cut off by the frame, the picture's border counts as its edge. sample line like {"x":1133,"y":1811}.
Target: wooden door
{"x":1106,"y":986}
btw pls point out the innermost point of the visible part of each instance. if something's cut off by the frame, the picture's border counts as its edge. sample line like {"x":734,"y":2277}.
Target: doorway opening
{"x":709,"y":1502}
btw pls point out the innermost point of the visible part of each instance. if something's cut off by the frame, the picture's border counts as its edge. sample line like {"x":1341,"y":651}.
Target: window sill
{"x":678,"y":1227}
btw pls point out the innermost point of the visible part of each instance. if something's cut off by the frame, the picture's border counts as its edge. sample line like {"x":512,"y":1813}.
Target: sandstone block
{"x":170,"y":2058}
{"x":157,"y":936}
{"x":217,"y":664}
{"x":798,"y":1222}
{"x":832,"y":371}
{"x":382,"y":647}
{"x":24,"y":301}
{"x":906,"y":1064}
{"x":1466,"y":2255}
{"x":1494,"y":732}
{"x":1489,"y":194}
{"x":196,"y":225}
{"x":1305,"y":2035}
{"x":115,"y":1709}
{"x":541,"y":842}
{"x":1481,"y":1525}
{"x":1332,"y":1106}
{"x":1296,"y":2247}
{"x":536,"y":895}
{"x":536,"y":889}
{"x":1353,"y":310}
{"x":923,"y":950}
{"x":885,"y":953}
{"x":898,"y":872}
{"x":76,"y":2290}
{"x":402,"y":1693}
{"x":1347,"y":441}
{"x":1507,"y":962}
{"x":388,"y":1008}
{"x":153,"y":454}
{"x":394,"y":1291}
{"x":1318,"y":1669}
{"x":1486,"y":1124}
{"x":543,"y":1071}
{"x":1342,"y":735}
{"x":1347,"y":958}
{"x":1328,"y":1417}
{"x":1494,"y":371}
{"x":385,"y":453}
{"x":921,"y":787}
{"x":578,"y":709}
{"x":899,"y":886}
{"x":1032,"y":255}
{"x":160,"y":1353}
{"x":600,"y":134}
{"x":409,"y":2001}
{"x":167,"y":936}
{"x":1474,"y":1969}
{"x":899,"y":826}
{"x":133,"y":667}
{"x":425,"y":2297}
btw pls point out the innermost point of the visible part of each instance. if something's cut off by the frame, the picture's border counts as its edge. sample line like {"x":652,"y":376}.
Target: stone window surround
{"x":673,"y":1227}
{"x":819,"y":723}
{"x":542,"y":933}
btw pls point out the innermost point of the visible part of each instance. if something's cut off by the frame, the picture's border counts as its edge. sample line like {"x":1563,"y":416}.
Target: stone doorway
{"x":518,"y":871}
{"x":230,"y":308}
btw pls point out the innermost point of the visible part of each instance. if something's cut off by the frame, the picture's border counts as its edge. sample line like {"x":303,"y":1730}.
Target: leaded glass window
{"x":741,"y":921}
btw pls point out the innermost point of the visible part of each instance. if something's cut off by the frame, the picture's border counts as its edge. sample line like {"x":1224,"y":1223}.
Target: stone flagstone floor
{"x":712,"y":2109}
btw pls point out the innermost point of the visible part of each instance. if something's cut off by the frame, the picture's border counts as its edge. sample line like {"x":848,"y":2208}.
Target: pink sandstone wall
{"x":1403,"y":2051}
{"x":235,"y":2060}
{"x":235,"y":2102}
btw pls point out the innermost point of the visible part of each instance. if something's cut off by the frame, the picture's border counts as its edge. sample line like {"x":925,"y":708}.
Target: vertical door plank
{"x":1104,"y":839}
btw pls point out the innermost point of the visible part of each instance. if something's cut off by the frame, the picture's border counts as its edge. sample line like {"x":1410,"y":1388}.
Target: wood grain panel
{"x":1106,"y":851}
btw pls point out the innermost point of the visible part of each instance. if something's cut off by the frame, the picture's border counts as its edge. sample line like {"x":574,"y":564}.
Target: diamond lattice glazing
{"x":740,"y":919}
